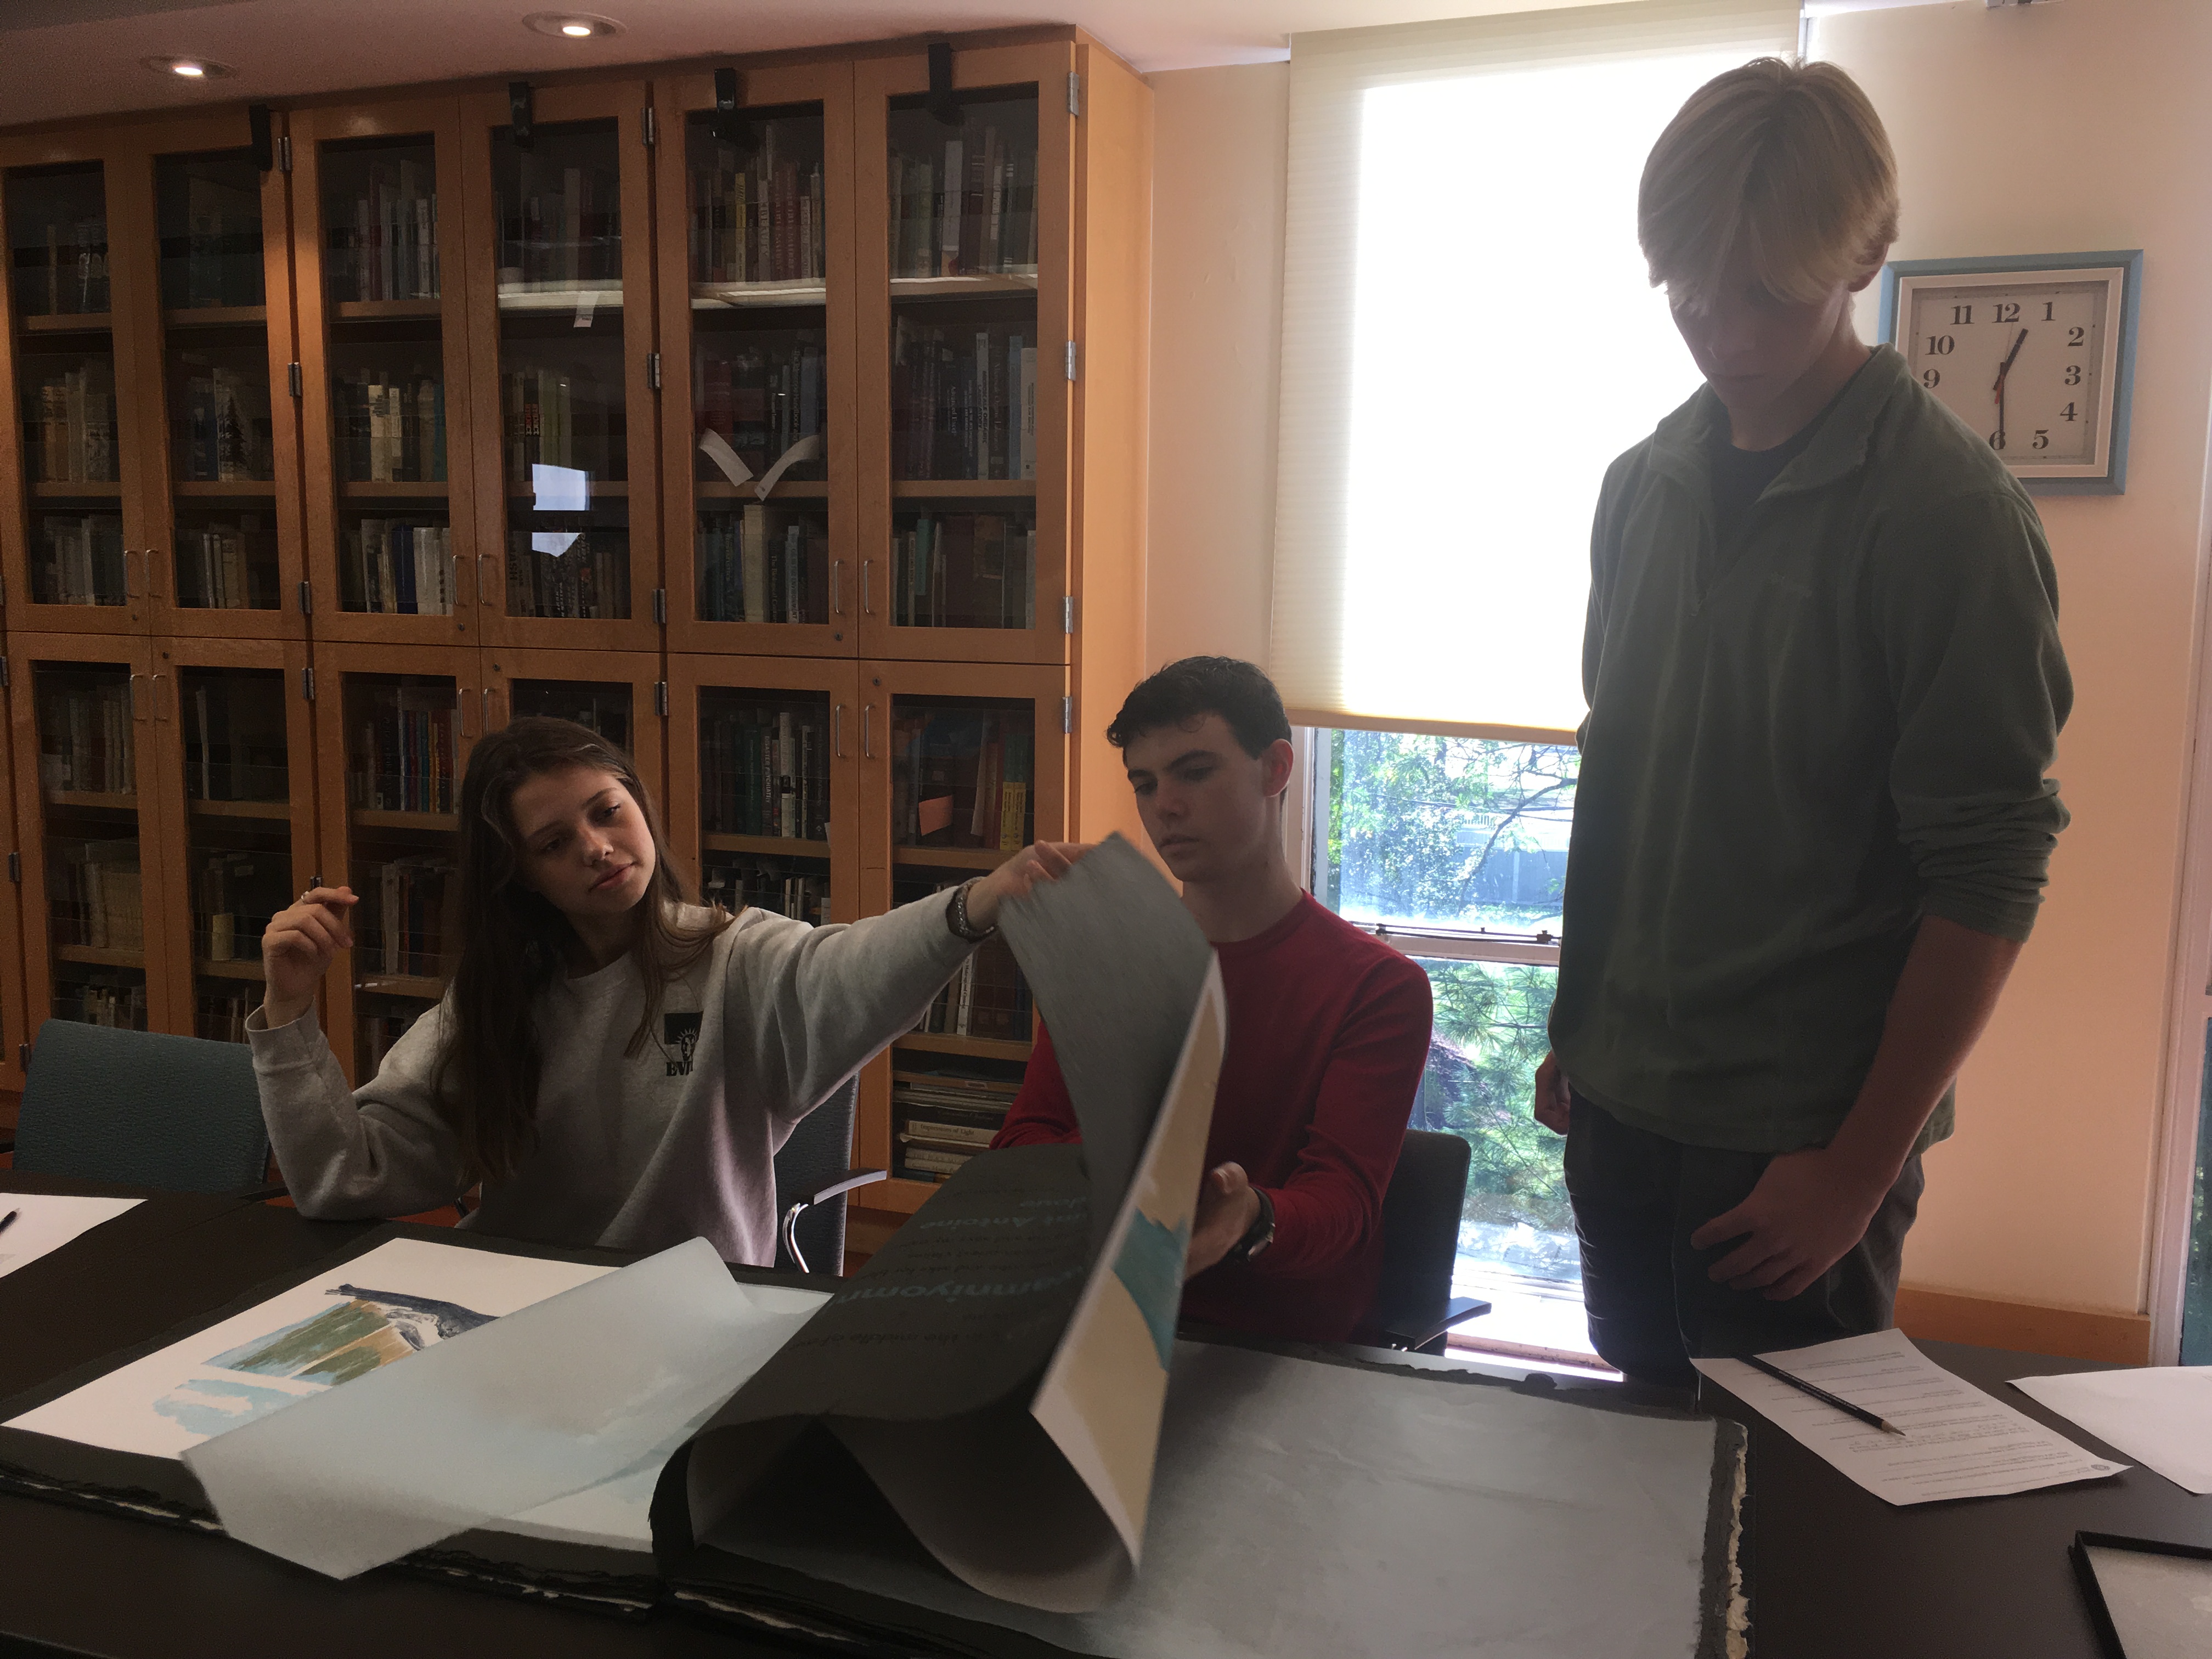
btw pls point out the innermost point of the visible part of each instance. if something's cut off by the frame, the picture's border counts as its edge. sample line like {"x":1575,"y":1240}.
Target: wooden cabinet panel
{"x":618,"y":694}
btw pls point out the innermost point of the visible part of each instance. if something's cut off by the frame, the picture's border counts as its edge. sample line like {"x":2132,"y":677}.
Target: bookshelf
{"x":479,"y":503}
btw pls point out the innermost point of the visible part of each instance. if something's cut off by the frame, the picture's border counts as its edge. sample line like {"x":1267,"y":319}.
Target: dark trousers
{"x":1637,"y":1198}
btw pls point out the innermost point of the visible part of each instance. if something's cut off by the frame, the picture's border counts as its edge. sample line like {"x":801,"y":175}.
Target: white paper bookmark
{"x":716,"y":449}
{"x":587,"y":303}
{"x":808,"y":448}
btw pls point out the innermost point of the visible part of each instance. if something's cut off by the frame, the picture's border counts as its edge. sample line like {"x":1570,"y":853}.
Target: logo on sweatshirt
{"x":679,"y":1041}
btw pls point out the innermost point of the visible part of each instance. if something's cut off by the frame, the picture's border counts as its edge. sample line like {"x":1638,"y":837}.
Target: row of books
{"x":120,"y":1006}
{"x":963,"y":401}
{"x":942,"y":1119}
{"x":71,"y":421}
{"x":399,"y":567}
{"x":95,"y":894}
{"x":968,"y":209}
{"x":405,"y":762}
{"x":392,"y":428}
{"x":85,"y":737}
{"x":226,"y":432}
{"x":238,"y":892}
{"x":588,"y":580}
{"x":408,"y":934}
{"x":765,"y":771}
{"x":538,"y":420}
{"x":221,"y":1016}
{"x":234,"y":738}
{"x":63,"y":271}
{"x":758,"y":218}
{"x":217,"y":260}
{"x":377,"y":1033}
{"x":962,"y":780}
{"x":79,"y":559}
{"x":965,"y":570}
{"x":762,"y":396}
{"x":770,"y":884}
{"x":231,"y":574}
{"x":764,"y":563}
{"x":383,"y":244}
{"x":988,"y":998}
{"x":562,"y":224}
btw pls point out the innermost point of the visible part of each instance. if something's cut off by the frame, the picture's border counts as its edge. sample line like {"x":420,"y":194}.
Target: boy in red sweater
{"x":1328,"y":1029}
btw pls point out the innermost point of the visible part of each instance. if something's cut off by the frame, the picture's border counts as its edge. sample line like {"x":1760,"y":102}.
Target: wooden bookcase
{"x":527,"y":389}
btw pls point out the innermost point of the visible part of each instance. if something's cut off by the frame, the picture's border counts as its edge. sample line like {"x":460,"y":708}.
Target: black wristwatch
{"x":956,"y":916}
{"x":1260,"y":1234}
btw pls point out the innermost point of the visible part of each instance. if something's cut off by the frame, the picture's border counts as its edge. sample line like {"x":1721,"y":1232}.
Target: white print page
{"x":45,"y":1222}
{"x":2161,"y":1416}
{"x":394,"y":1300}
{"x":1957,"y":1442}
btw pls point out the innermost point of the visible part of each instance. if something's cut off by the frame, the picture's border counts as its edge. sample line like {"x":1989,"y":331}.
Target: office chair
{"x":1413,"y":1303}
{"x":139,"y":1109}
{"x":813,"y":1173}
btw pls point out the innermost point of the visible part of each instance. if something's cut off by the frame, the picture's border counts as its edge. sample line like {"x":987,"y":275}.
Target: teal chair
{"x":137,"y":1108}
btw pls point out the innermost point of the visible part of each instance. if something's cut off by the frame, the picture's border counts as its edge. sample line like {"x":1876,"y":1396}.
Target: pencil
{"x":7,"y":1219}
{"x":1822,"y":1395}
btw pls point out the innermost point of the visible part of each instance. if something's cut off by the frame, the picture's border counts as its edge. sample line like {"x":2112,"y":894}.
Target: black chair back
{"x":1413,"y":1303}
{"x":141,"y":1108}
{"x":820,"y":1150}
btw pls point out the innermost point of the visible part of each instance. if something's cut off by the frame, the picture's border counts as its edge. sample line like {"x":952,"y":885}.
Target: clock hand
{"x":2004,"y":369}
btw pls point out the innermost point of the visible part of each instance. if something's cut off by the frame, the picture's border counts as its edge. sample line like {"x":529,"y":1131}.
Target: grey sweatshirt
{"x":633,"y":1153}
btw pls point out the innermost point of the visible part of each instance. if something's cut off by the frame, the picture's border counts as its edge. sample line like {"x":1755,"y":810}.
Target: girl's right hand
{"x":296,"y":951}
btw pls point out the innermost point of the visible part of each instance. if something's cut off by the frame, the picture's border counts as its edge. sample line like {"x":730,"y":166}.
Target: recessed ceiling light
{"x":190,"y":69}
{"x":571,"y":25}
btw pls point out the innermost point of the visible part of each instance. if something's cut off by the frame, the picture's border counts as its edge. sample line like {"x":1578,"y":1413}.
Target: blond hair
{"x":1786,"y":165}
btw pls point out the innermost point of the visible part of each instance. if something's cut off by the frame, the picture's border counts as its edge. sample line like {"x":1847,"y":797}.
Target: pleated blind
{"x":1469,"y":339}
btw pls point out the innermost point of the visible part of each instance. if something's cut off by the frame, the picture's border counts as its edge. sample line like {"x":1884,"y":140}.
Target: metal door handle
{"x":487,"y":708}
{"x":481,"y":557}
{"x":135,"y":678}
{"x":837,"y":732}
{"x":461,"y":706}
{"x":153,"y":564}
{"x":868,"y":604}
{"x":836,"y":587}
{"x":129,"y":593}
{"x":161,"y":709}
{"x":868,"y":731}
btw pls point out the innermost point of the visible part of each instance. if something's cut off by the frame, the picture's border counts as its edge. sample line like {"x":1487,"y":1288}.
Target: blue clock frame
{"x":2115,"y":481}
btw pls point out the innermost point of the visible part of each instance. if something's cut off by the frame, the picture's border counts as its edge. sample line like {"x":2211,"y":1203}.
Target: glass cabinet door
{"x":567,"y":404}
{"x":69,"y":564}
{"x":757,"y":318}
{"x":222,"y":485}
{"x":620,"y":694}
{"x":86,"y":778}
{"x":394,"y":726}
{"x":383,"y":332}
{"x":965,"y":766}
{"x":230,"y":718}
{"x":965,"y":550}
{"x":763,"y":787}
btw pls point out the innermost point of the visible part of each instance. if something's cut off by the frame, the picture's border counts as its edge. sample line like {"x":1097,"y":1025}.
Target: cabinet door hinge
{"x":661,"y":606}
{"x":284,"y":153}
{"x":291,"y":378}
{"x":653,"y":369}
{"x":660,"y":696}
{"x":1070,"y":360}
{"x":307,"y":683}
{"x":651,"y":130}
{"x":1067,"y":615}
{"x":1074,"y":93}
{"x":306,"y":599}
{"x":16,"y":866}
{"x":1067,"y":715}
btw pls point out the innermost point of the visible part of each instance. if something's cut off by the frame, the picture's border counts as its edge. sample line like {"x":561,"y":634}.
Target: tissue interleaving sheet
{"x":543,"y":1402}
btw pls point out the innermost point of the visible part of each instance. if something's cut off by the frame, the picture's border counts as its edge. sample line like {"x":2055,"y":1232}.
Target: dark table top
{"x":1835,"y":1572}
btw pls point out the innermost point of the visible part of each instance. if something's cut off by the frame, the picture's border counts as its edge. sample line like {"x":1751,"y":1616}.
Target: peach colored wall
{"x":2075,"y":126}
{"x":1218,"y":138}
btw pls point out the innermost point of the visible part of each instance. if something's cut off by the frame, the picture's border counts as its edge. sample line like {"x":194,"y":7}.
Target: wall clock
{"x":2036,"y":352}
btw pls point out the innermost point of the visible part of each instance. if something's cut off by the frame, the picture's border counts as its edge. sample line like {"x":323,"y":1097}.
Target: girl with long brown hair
{"x":615,"y":1066}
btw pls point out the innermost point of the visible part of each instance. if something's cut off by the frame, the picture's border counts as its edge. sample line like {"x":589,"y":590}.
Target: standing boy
{"x":1328,"y":1029}
{"x":1812,"y":827}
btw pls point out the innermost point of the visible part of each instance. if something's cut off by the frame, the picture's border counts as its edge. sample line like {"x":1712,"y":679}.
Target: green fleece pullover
{"x":1797,"y":747}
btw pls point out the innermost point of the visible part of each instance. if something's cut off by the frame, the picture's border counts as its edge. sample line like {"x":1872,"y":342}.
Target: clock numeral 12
{"x":2008,"y":313}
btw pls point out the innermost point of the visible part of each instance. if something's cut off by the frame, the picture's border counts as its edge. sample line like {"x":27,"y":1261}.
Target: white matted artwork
{"x":381,"y":1306}
{"x":46,"y":1221}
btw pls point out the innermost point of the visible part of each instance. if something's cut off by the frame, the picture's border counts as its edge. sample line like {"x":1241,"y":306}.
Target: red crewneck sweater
{"x":1329,"y":1031}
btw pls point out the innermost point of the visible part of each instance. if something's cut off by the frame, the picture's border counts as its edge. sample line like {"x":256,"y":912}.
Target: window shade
{"x":1469,"y":337}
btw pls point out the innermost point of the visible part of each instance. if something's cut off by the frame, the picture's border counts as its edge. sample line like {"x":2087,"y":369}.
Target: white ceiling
{"x":62,"y":59}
